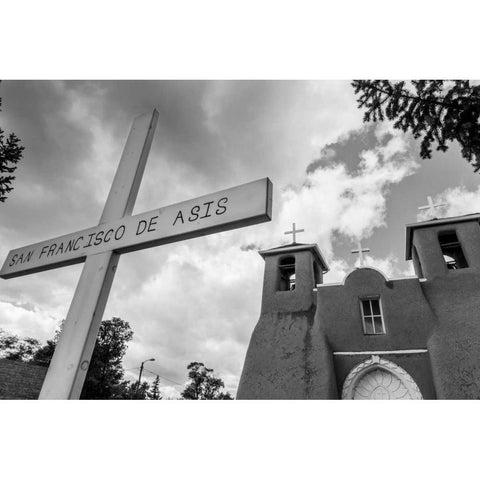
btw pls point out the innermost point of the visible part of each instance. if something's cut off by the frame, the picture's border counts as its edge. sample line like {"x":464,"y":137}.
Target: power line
{"x":154,"y":373}
{"x":165,"y":378}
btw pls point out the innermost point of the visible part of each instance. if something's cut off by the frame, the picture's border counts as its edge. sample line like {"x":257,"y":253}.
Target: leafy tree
{"x":203,"y":385}
{"x":132,"y":391}
{"x":13,"y":347}
{"x":10,"y":154}
{"x":224,"y":396}
{"x":44,"y":354}
{"x":105,"y":376}
{"x":154,"y":393}
{"x":439,"y":111}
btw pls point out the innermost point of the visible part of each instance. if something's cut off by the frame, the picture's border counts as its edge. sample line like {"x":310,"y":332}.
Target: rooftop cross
{"x":118,"y":232}
{"x":294,"y":232}
{"x":360,"y":252}
{"x":431,"y":206}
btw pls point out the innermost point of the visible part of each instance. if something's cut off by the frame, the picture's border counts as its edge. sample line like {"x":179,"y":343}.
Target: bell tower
{"x":291,"y":274}
{"x":440,"y":246}
{"x":446,"y":258}
{"x":288,"y":356}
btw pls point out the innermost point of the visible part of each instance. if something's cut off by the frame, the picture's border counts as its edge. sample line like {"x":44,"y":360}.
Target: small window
{"x":372,"y":317}
{"x":287,"y":274}
{"x":452,"y":251}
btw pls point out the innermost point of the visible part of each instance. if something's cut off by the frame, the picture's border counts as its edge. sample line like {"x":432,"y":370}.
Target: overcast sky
{"x":199,"y":300}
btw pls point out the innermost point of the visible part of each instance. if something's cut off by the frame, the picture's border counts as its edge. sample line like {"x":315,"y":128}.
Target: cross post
{"x":293,"y":232}
{"x":119,"y":232}
{"x":360,"y":252}
{"x":431,"y":206}
{"x":70,"y":362}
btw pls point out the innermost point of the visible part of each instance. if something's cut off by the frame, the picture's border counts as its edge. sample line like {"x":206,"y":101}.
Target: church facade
{"x":371,"y":337}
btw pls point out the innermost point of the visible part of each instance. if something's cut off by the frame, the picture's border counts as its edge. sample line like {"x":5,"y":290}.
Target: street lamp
{"x":141,"y":370}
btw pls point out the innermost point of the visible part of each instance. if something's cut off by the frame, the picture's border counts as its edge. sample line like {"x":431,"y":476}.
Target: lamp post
{"x":141,"y":370}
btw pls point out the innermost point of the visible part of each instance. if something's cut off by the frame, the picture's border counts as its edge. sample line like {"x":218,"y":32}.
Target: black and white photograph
{"x":242,"y":239}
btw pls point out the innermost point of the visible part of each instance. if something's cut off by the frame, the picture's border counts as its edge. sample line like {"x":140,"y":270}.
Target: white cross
{"x":431,"y":206}
{"x":294,"y":232}
{"x":119,"y":232}
{"x":360,"y":252}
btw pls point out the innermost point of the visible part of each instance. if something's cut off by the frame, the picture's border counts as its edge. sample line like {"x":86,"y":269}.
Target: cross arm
{"x":235,"y":207}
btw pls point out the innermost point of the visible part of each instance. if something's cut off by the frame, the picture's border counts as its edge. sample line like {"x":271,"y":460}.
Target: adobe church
{"x":371,"y":337}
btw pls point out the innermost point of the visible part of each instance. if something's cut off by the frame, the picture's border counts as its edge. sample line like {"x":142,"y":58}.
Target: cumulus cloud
{"x":333,"y":199}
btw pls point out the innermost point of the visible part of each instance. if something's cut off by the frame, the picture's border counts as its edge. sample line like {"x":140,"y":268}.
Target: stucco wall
{"x":288,"y":358}
{"x":454,"y":296}
{"x":455,"y":342}
{"x":407,"y":315}
{"x":408,"y":318}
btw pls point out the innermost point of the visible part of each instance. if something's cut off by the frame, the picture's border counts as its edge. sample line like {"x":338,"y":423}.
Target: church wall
{"x":287,"y":358}
{"x":454,"y":296}
{"x":455,"y":343}
{"x":407,"y":315}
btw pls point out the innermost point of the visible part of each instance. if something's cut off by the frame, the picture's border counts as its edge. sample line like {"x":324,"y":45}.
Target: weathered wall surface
{"x":407,"y":315}
{"x":454,"y":296}
{"x":454,"y":345}
{"x":288,"y":358}
{"x":20,"y":381}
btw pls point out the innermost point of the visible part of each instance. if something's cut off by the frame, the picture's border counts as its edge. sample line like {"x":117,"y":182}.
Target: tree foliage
{"x":105,"y":375}
{"x":439,"y":111}
{"x":132,"y":391}
{"x":154,"y":392}
{"x":44,"y":354}
{"x":13,"y":347}
{"x":10,"y":153}
{"x":203,"y":384}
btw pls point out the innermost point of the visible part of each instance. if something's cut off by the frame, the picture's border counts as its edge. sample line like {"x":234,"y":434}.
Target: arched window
{"x":452,"y":250}
{"x":379,"y":379}
{"x":287,"y":273}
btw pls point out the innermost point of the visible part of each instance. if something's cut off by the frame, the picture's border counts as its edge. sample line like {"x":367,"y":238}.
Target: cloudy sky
{"x":199,"y":300}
